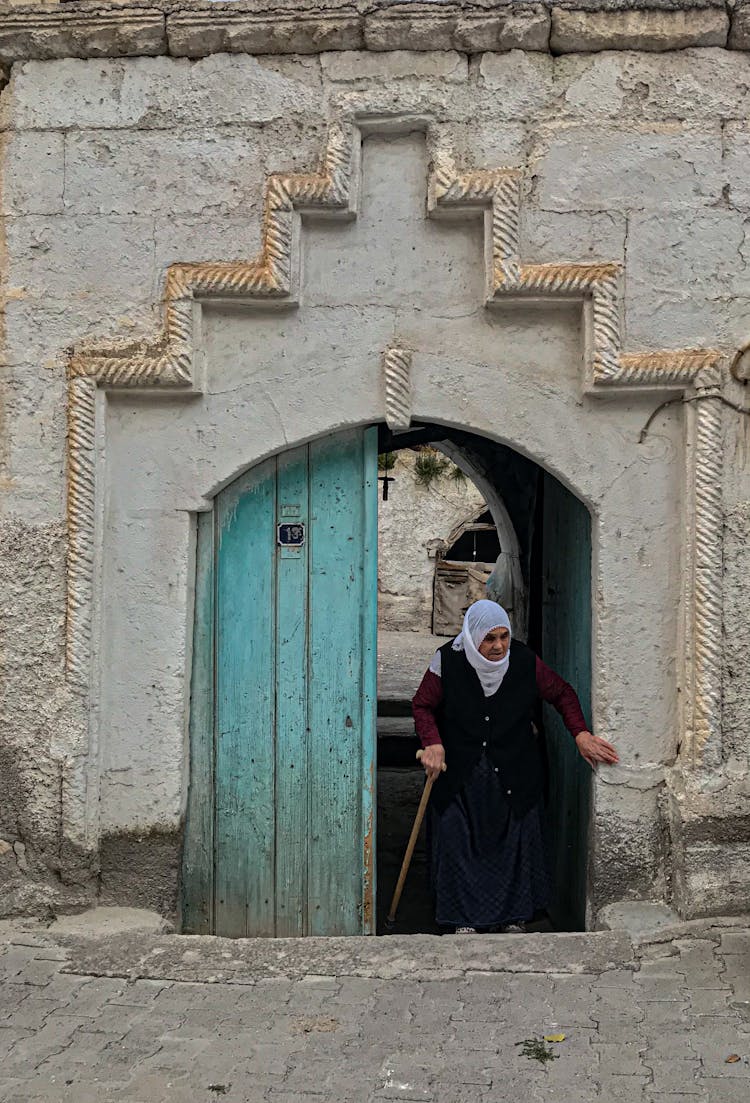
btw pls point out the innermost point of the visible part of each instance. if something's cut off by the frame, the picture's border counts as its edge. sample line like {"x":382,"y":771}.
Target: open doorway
{"x":283,"y":725}
{"x":523,"y":540}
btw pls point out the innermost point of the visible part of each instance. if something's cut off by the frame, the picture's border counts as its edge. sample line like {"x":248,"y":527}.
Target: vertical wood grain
{"x":196,"y":884}
{"x":291,"y":823}
{"x":566,"y":646}
{"x":336,"y":685}
{"x":245,"y":704}
{"x":370,"y":677}
{"x":288,"y":751}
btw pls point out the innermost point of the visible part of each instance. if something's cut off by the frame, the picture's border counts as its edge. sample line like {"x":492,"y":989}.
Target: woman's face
{"x":495,"y":645}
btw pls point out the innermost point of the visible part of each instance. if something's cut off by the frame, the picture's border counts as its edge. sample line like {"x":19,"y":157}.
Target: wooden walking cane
{"x":391,"y":918}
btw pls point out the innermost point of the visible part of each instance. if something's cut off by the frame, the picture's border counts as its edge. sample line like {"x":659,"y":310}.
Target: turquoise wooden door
{"x":566,"y":647}
{"x":279,"y":831}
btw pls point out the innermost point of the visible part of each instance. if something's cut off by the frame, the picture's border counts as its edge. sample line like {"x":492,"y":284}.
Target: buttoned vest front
{"x":471,"y":724}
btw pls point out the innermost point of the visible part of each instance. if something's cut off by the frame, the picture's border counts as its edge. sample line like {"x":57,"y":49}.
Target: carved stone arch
{"x":170,"y":362}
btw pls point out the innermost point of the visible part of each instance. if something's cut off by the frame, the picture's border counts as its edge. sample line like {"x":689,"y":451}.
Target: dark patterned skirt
{"x":487,"y":866}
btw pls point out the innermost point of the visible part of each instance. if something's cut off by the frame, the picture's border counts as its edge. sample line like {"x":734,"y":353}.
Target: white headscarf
{"x":481,"y":618}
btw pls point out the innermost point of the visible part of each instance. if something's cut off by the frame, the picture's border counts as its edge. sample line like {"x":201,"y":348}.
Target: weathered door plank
{"x":566,"y":646}
{"x":336,"y":686}
{"x":245,"y":705}
{"x":370,"y":676}
{"x":284,"y":683}
{"x":291,"y":701}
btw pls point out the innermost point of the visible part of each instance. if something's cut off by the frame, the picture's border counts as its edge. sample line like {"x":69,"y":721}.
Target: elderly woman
{"x":473,"y":713}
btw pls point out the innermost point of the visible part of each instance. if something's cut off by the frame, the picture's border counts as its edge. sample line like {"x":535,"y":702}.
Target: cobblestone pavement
{"x":146,"y":1018}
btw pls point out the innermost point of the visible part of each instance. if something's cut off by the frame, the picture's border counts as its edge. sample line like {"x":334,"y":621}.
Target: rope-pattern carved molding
{"x":167,"y":361}
{"x":598,"y":284}
{"x":397,"y":374}
{"x":706,"y":554}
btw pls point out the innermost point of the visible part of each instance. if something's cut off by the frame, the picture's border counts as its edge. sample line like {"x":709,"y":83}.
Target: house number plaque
{"x":291,"y":535}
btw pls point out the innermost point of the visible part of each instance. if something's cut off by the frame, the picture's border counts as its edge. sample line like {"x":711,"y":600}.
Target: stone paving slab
{"x":153,"y":1018}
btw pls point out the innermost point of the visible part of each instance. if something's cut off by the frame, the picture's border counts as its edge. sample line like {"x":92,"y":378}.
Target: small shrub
{"x":430,"y":466}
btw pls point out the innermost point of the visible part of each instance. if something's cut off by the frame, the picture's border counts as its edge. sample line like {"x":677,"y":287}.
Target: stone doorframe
{"x":171,"y":361}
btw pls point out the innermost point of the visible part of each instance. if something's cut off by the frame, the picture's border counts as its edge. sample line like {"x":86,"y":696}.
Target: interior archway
{"x":547,"y":533}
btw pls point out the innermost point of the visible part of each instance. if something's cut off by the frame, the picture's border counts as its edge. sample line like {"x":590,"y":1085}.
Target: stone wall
{"x":115,"y":167}
{"x":194,"y":28}
{"x":410,"y":524}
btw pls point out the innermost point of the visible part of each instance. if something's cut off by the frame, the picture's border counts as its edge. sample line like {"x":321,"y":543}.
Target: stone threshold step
{"x":206,"y":959}
{"x":397,"y":726}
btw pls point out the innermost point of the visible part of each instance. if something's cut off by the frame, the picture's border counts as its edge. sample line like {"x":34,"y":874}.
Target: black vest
{"x":471,"y":724}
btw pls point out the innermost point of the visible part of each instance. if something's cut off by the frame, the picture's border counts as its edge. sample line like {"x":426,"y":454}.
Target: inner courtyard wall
{"x":411,"y":524}
{"x":113,"y":169}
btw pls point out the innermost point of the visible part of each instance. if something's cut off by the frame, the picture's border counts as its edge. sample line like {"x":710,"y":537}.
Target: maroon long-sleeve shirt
{"x":550,"y":687}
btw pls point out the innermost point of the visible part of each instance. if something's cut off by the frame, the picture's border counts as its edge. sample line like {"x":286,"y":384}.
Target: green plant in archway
{"x":429,"y":466}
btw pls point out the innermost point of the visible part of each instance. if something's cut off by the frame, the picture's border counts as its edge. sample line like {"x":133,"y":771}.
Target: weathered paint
{"x":566,"y":647}
{"x":370,"y":676}
{"x":244,"y":732}
{"x":286,"y":760}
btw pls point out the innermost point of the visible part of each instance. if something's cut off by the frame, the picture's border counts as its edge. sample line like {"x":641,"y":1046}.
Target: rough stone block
{"x":717,"y":875}
{"x":737,"y":163}
{"x":81,"y":31}
{"x":739,"y":31}
{"x":504,"y":26}
{"x":585,"y":31}
{"x":308,"y":29}
{"x":695,"y":254}
{"x":696,"y":83}
{"x":519,"y":85}
{"x":154,"y":93}
{"x":563,"y":237}
{"x":616,"y":167}
{"x":33,"y":174}
{"x":143,"y":172}
{"x":485,"y":142}
{"x":350,"y":67}
{"x":141,"y":870}
{"x":79,"y":261}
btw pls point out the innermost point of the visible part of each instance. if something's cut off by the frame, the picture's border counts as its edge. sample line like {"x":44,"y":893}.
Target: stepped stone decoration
{"x":166,"y":361}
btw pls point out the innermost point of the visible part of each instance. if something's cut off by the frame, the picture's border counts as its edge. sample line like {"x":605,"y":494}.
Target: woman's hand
{"x":433,"y":759}
{"x":596,"y":750}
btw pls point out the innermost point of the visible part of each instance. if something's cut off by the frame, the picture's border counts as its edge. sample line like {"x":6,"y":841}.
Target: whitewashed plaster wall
{"x":413,"y":518}
{"x":114,"y":169}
